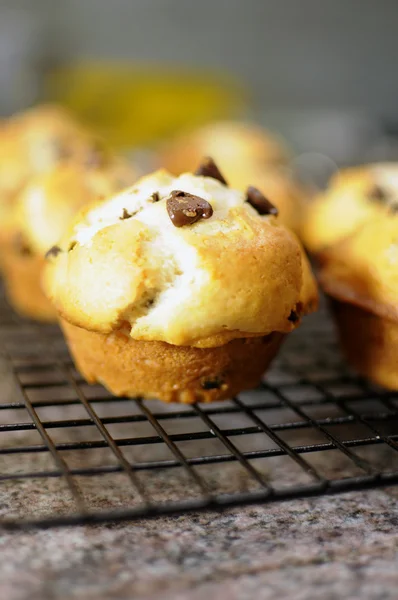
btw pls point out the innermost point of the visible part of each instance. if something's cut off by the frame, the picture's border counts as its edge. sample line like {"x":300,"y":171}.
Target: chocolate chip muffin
{"x":360,"y":276}
{"x":41,"y":213}
{"x":179,"y":288}
{"x":354,"y":197}
{"x":32,"y":143}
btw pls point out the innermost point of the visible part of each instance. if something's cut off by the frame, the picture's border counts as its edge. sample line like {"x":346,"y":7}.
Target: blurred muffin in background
{"x":47,"y":134}
{"x":31,"y":143}
{"x":235,"y":146}
{"x":354,"y":197}
{"x":360,"y":276}
{"x":42,"y":211}
{"x":246,"y":155}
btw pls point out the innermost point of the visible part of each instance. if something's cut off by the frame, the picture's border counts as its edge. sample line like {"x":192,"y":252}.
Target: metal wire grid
{"x":309,"y":410}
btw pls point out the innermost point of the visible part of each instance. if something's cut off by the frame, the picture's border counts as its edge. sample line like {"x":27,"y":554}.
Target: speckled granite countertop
{"x":334,"y":548}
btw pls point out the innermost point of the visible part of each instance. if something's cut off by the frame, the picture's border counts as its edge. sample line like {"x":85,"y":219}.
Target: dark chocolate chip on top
{"x":125,"y":215}
{"x":293,"y":317}
{"x":185,"y":209}
{"x":208,"y":168}
{"x":211,"y":383}
{"x":21,"y":245}
{"x":378,"y":194}
{"x":258,"y":201}
{"x":54,"y":251}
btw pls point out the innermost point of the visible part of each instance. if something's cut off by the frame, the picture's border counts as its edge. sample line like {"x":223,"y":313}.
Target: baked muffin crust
{"x":235,"y":274}
{"x":354,"y":197}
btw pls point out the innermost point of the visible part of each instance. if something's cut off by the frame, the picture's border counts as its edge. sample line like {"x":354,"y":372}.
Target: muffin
{"x":13,"y":176}
{"x":235,"y":146}
{"x":32,"y":143}
{"x":360,"y":276}
{"x":42,"y":211}
{"x":179,"y":288}
{"x":36,"y":140}
{"x":47,"y":134}
{"x":354,"y":196}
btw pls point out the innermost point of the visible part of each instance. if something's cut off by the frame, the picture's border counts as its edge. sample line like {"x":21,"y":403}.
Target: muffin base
{"x":185,"y":374}
{"x":369,"y":342}
{"x":22,"y":275}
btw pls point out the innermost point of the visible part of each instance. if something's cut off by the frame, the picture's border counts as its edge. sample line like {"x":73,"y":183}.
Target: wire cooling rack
{"x":73,"y":454}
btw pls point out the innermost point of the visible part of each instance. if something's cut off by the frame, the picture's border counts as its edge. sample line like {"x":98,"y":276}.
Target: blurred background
{"x":322,"y":73}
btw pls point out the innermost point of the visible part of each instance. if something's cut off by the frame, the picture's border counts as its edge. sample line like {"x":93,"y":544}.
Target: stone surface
{"x":340,"y":547}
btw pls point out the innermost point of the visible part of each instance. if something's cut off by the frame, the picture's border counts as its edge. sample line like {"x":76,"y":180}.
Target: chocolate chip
{"x":185,"y":209}
{"x":155,"y":197}
{"x":125,"y":215}
{"x":258,"y":201}
{"x":54,"y":251}
{"x":293,"y":317}
{"x":71,"y":246}
{"x":378,"y":194}
{"x":213,"y":383}
{"x":21,"y":246}
{"x":208,"y":168}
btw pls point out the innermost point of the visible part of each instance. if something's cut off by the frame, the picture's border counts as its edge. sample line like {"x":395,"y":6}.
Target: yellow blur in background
{"x":136,"y":105}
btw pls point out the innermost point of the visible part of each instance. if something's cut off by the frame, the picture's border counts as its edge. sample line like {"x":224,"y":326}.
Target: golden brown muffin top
{"x":354,"y":196}
{"x":185,"y":260}
{"x":39,"y":138}
{"x":363,"y":268}
{"x":35,"y":141}
{"x":48,"y":203}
